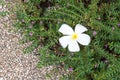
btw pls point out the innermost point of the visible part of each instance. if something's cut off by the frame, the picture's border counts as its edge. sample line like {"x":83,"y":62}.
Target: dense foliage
{"x":40,"y":20}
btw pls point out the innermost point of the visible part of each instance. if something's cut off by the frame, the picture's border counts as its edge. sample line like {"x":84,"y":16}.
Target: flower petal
{"x":84,"y":39}
{"x":64,"y":41}
{"x":80,"y":28}
{"x":66,"y":29}
{"x":73,"y":46}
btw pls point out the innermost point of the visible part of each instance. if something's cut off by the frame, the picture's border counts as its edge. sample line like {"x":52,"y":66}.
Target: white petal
{"x":73,"y":46}
{"x":83,"y":39}
{"x":66,"y":29}
{"x":64,"y":41}
{"x":80,"y":28}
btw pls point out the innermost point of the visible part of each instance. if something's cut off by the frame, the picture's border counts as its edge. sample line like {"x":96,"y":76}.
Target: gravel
{"x":14,"y":64}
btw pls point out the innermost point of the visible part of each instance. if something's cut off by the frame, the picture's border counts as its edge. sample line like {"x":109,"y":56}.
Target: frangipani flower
{"x":72,"y":38}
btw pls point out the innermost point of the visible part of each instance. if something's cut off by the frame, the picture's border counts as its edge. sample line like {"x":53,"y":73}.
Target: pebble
{"x":14,"y":64}
{"x":0,"y":6}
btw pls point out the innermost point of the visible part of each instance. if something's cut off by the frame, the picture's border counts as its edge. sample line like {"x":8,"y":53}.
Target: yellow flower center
{"x":74,"y":36}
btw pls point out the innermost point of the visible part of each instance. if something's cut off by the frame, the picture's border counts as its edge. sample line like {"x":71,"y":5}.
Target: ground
{"x":14,"y":64}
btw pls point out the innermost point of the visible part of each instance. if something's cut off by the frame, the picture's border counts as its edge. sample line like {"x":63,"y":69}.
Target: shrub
{"x":40,"y":20}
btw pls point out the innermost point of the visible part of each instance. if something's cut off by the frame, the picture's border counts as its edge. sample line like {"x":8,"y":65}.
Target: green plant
{"x":3,"y":11}
{"x":41,"y":19}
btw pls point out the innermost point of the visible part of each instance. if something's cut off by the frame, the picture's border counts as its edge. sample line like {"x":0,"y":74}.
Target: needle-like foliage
{"x":100,"y":60}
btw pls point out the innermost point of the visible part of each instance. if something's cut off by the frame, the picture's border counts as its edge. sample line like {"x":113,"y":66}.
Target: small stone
{"x":41,"y":22}
{"x":106,"y":61}
{"x":63,"y":63}
{"x":113,"y":28}
{"x":1,"y":7}
{"x":99,"y":18}
{"x":1,"y":78}
{"x":95,"y":66}
{"x":0,"y":59}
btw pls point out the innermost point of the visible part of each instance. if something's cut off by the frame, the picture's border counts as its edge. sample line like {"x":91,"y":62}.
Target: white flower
{"x":72,"y":38}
